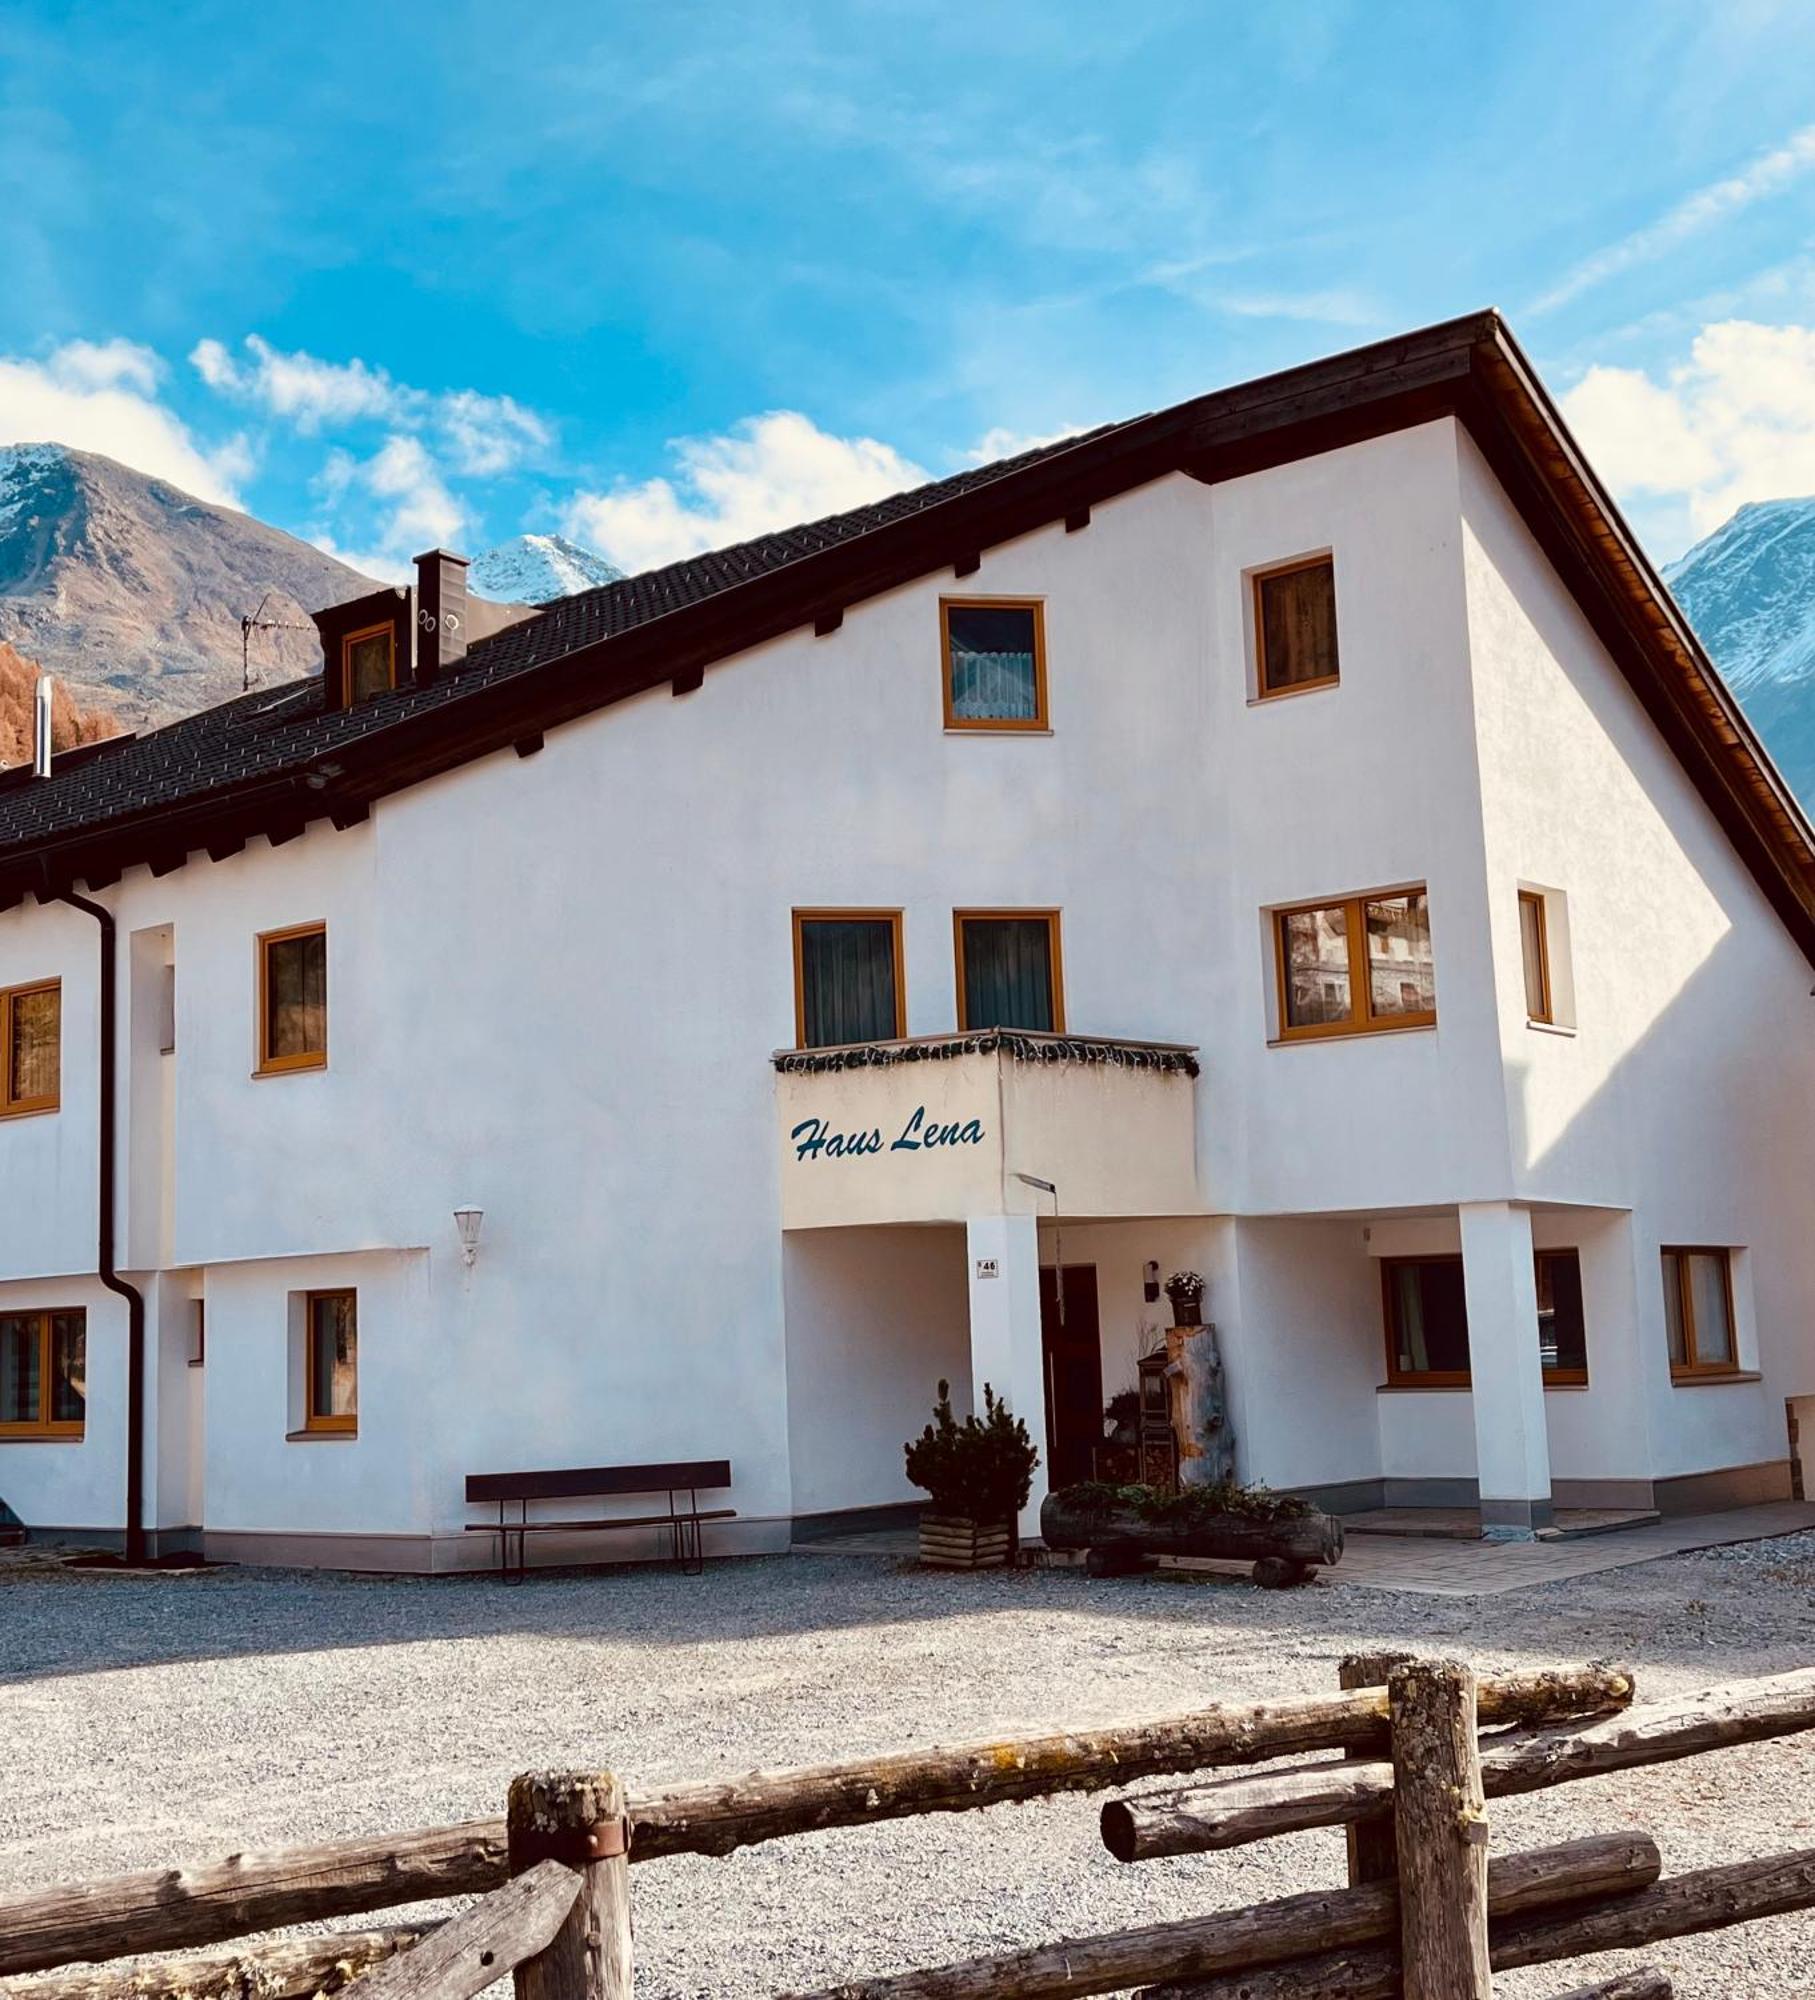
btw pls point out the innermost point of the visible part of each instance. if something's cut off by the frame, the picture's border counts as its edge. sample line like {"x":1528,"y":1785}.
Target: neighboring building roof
{"x":272,"y":761}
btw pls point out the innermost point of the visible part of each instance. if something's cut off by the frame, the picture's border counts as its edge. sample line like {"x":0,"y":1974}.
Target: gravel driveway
{"x":147,"y":1720}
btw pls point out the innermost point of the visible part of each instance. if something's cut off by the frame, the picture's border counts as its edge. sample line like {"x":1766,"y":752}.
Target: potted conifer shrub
{"x":978,"y":1474}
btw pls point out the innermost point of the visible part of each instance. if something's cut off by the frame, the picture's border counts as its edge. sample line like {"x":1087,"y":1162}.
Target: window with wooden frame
{"x":1295,"y":627}
{"x":1534,"y":947}
{"x":293,"y":999}
{"x":1426,"y":1313}
{"x":1562,"y":1324}
{"x":848,"y":981}
{"x":993,"y":662}
{"x":1010,"y":974}
{"x":31,"y":1048}
{"x":331,"y":1362}
{"x":43,"y":1374}
{"x":1355,"y":967}
{"x":368,"y":663}
{"x":1698,"y":1312}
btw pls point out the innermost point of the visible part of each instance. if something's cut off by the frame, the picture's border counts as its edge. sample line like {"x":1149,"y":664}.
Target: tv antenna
{"x":257,"y":622}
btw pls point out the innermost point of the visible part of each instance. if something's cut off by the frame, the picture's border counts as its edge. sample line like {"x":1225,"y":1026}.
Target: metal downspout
{"x":108,"y":1180}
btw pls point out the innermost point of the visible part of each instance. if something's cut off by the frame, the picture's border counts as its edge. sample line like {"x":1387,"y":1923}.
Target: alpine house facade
{"x":1291,"y":837}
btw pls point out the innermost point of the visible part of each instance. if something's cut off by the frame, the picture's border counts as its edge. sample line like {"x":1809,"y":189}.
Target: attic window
{"x":368,"y":662}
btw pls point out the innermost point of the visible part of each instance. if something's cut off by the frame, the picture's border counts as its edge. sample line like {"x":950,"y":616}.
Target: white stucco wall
{"x":1681,"y":1092}
{"x":876,"y":1319}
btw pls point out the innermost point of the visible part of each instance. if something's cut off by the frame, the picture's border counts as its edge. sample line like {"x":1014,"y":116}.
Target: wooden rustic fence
{"x":1427,"y":1913}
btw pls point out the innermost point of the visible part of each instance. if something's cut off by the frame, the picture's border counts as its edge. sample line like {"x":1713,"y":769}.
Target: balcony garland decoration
{"x":1022,"y":1047}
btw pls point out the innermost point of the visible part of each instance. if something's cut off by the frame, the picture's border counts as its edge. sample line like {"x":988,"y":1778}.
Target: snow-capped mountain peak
{"x":1749,"y":591}
{"x":536,"y":569}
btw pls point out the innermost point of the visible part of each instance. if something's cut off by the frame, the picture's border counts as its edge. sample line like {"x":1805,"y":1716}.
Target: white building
{"x":1398,"y":921}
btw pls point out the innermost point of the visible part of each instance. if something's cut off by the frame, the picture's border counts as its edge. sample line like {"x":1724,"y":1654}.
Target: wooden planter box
{"x":1119,"y":1540}
{"x":950,"y":1541}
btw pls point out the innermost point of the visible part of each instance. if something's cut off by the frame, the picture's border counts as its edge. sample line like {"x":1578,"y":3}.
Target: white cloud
{"x":772,"y":471}
{"x":1001,"y":442}
{"x":1735,"y":422}
{"x":102,"y":396}
{"x":1767,"y":175}
{"x":482,"y":434}
{"x":404,"y":478}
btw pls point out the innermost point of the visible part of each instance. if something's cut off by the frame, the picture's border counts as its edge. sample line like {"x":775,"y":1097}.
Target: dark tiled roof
{"x":274,"y":733}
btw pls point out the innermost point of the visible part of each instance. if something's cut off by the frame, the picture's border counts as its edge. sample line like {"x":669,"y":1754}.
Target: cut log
{"x":291,"y":1969}
{"x":580,"y":1816}
{"x":171,"y":1909}
{"x":1201,"y":1818}
{"x":1301,"y":1538}
{"x":1440,"y":1832}
{"x":1709,"y":1899}
{"x":1647,"y":1983}
{"x":462,"y":1957}
{"x":1265,"y":1932}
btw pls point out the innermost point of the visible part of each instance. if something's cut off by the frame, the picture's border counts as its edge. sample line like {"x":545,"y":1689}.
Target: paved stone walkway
{"x":1438,"y":1568}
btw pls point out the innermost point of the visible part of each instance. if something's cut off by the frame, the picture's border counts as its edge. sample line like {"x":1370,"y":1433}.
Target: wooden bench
{"x":597,"y":1482}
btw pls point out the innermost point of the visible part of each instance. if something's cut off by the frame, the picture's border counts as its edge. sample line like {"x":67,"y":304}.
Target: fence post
{"x":1440,"y":1829}
{"x":1373,"y":1853}
{"x":576,"y":1817}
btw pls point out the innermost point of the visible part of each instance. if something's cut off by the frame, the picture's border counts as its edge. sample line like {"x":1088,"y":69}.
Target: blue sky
{"x":664,"y":275}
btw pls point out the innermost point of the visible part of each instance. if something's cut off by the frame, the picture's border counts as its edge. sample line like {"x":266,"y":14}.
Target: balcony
{"x":942,"y":1128}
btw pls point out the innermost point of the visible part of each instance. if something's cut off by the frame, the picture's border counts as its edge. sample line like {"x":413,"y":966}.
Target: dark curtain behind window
{"x":1008,"y":973}
{"x":847,"y":981}
{"x":296,"y":995}
{"x":1298,"y":625}
{"x":1562,"y":1328}
{"x":1430,"y":1317}
{"x":19,"y":1368}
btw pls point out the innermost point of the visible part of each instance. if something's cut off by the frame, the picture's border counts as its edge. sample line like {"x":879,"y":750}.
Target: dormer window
{"x":368,"y":663}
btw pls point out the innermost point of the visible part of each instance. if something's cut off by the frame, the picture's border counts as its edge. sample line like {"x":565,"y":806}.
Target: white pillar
{"x":1007,"y":1350}
{"x":1512,"y":1450}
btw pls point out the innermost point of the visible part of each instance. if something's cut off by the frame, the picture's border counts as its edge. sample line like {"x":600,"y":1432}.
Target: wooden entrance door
{"x":1074,"y":1373}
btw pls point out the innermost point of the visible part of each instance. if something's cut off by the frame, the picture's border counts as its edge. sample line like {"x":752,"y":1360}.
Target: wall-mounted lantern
{"x":1150,"y":1281}
{"x":467,"y":1221}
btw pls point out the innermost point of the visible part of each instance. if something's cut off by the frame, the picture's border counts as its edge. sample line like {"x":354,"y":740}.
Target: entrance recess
{"x":1074,"y":1373}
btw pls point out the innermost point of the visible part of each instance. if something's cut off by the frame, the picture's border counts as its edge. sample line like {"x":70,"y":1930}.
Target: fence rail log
{"x":462,"y":1957}
{"x":170,"y":1909}
{"x":1578,"y":1871}
{"x":1200,"y":1818}
{"x":718,"y":1818}
{"x":1708,"y":1899}
{"x":289,"y":1969}
{"x":173,"y":1909}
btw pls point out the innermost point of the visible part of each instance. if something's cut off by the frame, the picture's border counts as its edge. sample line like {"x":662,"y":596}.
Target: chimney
{"x":41,"y":725}
{"x":440,"y":612}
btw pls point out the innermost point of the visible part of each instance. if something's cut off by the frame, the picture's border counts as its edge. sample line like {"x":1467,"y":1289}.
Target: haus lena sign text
{"x":813,"y":1141}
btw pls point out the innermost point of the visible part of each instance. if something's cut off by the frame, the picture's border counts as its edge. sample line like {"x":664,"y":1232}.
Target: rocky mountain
{"x":1749,"y":591}
{"x":131,"y":592}
{"x":536,"y":569}
{"x":70,"y":723}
